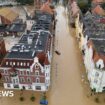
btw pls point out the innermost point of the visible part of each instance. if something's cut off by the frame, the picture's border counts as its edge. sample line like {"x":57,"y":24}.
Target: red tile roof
{"x":46,"y":62}
{"x":41,"y":56}
{"x":46,"y":8}
{"x":96,"y":55}
{"x":98,"y":10}
{"x":97,"y":1}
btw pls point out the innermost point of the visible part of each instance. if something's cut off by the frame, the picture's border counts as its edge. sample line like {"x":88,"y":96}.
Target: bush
{"x":32,"y":98}
{"x":97,"y":100}
{"x":21,"y":98}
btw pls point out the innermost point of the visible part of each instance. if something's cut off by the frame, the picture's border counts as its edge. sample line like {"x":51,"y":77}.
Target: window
{"x":96,"y":74}
{"x":38,"y":87}
{"x":36,"y":66}
{"x":47,"y":81}
{"x":2,"y":71}
{"x":21,"y":64}
{"x":29,"y":87}
{"x":103,"y":88}
{"x":6,"y":63}
{"x":21,"y":72}
{"x":37,"y":80}
{"x":28,"y":79}
{"x":5,"y":72}
{"x":8,"y":85}
{"x":47,"y":74}
{"x":22,"y":79}
{"x":95,"y":81}
{"x":11,"y":63}
{"x":37,"y":73}
{"x":17,"y":63}
{"x":15,"y":81}
{"x":24,"y":64}
{"x":28,"y":73}
{"x":6,"y":78}
{"x":16,"y":86}
{"x":14,"y":63}
{"x":28,"y":64}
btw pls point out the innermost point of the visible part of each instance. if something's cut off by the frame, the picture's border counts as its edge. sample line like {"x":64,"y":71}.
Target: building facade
{"x":92,"y":48}
{"x":28,"y":63}
{"x":2,"y":49}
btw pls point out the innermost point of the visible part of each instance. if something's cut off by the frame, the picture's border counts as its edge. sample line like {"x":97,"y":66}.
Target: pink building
{"x":27,"y":65}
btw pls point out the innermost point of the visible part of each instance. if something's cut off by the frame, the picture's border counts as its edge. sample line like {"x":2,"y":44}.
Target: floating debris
{"x":57,"y":52}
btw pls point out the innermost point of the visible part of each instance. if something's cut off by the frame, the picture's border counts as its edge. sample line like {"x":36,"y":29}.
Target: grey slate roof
{"x":24,"y":50}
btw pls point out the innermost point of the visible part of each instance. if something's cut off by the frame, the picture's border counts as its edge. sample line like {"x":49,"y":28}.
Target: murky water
{"x":68,"y":87}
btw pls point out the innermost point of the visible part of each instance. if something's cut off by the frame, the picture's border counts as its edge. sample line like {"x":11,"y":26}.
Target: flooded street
{"x":67,"y":87}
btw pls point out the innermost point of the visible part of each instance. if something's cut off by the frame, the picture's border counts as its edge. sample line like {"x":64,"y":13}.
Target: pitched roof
{"x":46,"y":8}
{"x":97,"y":1}
{"x":98,"y":10}
{"x":74,"y":8}
{"x":46,"y":62}
{"x":8,"y":14}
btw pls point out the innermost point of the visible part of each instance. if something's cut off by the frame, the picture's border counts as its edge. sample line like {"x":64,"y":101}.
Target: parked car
{"x":43,"y":102}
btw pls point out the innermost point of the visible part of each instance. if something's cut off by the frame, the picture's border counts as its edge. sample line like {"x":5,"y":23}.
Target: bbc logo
{"x":6,"y":93}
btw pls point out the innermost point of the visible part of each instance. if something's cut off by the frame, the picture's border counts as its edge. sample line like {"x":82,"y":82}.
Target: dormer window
{"x":36,"y":66}
{"x":21,"y":64}
{"x":100,"y":64}
{"x":14,"y":63}
{"x":24,"y":64}
{"x":28,"y":64}
{"x":6,"y":63}
{"x":11,"y":63}
{"x":17,"y":63}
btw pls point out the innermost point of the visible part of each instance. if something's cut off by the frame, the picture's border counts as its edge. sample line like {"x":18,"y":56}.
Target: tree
{"x":21,"y":98}
{"x":25,"y":1}
{"x":32,"y":98}
{"x":84,"y":5}
{"x":65,"y":2}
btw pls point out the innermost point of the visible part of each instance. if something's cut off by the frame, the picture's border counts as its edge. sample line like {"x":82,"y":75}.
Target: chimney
{"x":29,"y":39}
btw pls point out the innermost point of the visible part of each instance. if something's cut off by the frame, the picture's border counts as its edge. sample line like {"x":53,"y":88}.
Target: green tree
{"x":25,"y":1}
{"x":65,"y":2}
{"x":84,"y":5}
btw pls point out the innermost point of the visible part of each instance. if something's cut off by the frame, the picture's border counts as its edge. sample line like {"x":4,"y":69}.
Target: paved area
{"x":10,"y":41}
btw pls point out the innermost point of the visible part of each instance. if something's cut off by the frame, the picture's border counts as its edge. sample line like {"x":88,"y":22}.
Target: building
{"x":94,"y":60}
{"x":39,"y":3}
{"x":17,"y":28}
{"x":2,"y":49}
{"x":90,"y":32}
{"x":46,"y":8}
{"x":7,"y":16}
{"x":73,"y":11}
{"x":92,"y":47}
{"x":97,"y":7}
{"x":28,"y":63}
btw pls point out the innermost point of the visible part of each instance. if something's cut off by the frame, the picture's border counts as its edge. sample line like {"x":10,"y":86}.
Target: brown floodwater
{"x":69,"y":85}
